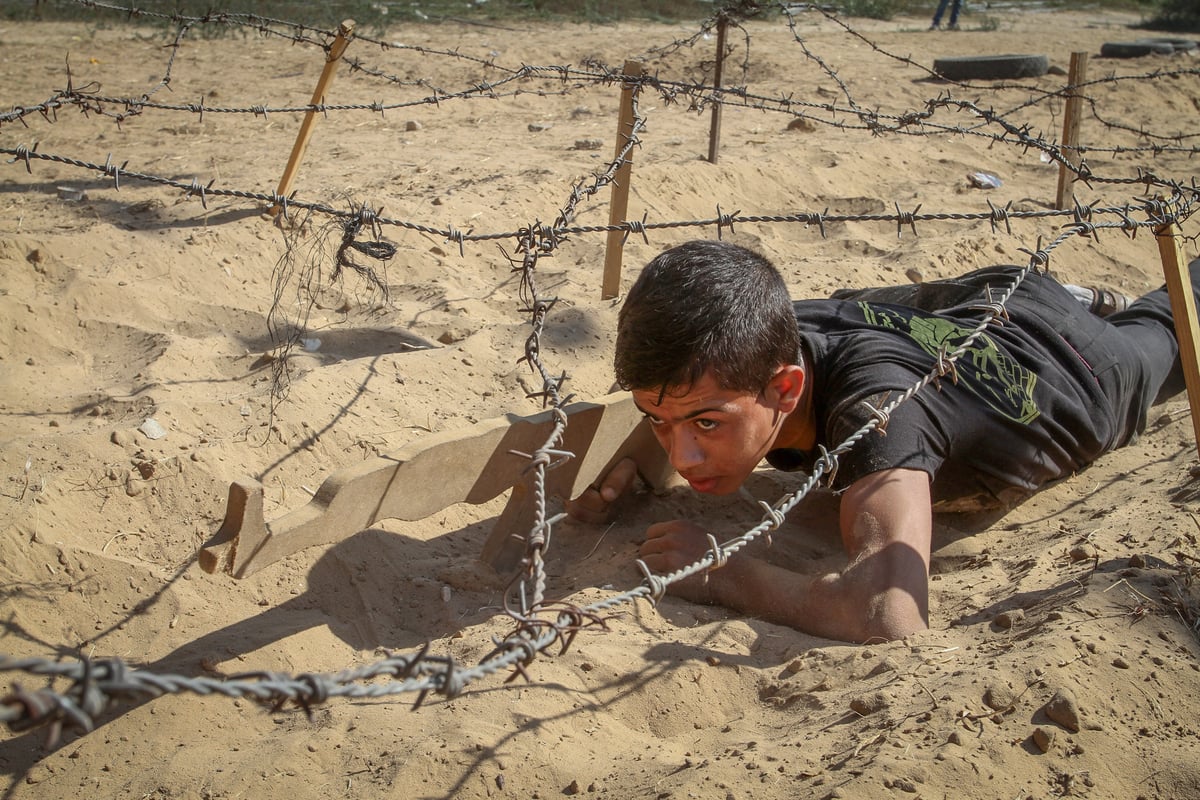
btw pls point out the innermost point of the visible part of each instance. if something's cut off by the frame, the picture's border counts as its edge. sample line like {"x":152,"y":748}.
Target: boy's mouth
{"x":705,"y":485}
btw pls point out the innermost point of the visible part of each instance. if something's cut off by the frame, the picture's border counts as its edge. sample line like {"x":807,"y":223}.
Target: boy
{"x":730,"y":372}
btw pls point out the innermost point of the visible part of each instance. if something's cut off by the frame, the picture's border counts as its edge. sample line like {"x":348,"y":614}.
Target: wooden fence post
{"x":1183,"y":311}
{"x":611,"y":285}
{"x":345,"y":31}
{"x":1070,"y":137}
{"x":714,"y":129}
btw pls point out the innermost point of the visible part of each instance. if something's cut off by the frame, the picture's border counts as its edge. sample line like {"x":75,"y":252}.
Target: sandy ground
{"x":142,"y":303}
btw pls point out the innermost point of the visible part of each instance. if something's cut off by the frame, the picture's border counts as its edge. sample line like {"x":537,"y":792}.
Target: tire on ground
{"x":1178,"y":45}
{"x":965,"y":68}
{"x":1135,"y":49}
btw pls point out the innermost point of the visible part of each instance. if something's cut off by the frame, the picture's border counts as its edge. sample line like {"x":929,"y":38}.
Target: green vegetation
{"x":376,"y":13}
{"x":1167,"y":15}
{"x":1177,"y":15}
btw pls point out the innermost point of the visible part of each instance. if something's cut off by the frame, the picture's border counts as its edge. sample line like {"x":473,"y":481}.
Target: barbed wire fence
{"x":94,"y":685}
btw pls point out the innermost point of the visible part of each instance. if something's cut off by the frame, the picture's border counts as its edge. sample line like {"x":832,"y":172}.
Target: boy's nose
{"x":686,"y":453}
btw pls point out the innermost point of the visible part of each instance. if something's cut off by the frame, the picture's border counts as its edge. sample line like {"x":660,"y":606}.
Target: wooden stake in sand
{"x":1070,"y":137}
{"x":345,"y":31}
{"x":611,"y":285}
{"x":714,"y":129}
{"x":1183,"y":311}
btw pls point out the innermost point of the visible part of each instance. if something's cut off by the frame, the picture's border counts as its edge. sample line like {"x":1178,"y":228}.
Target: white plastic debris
{"x":311,"y":345}
{"x":151,"y":429}
{"x":983,"y":180}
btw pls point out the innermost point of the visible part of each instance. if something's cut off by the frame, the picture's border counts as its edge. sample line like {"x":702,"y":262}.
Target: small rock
{"x":29,"y":362}
{"x":589,"y":144}
{"x":1083,"y":552}
{"x":1043,"y":738}
{"x":869,"y":703}
{"x":1006,"y":619}
{"x":1137,"y":561}
{"x":914,"y":275}
{"x":412,"y":125}
{"x":999,"y":698}
{"x":1055,"y":69}
{"x":955,"y":737}
{"x":133,"y":487}
{"x":1063,"y":709}
{"x":120,"y":438}
{"x":886,"y":665}
{"x":1120,"y":663}
{"x":801,"y":124}
{"x":538,"y":127}
{"x":572,"y":788}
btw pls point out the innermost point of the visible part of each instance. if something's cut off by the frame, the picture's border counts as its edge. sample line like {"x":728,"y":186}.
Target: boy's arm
{"x":883,"y":594}
{"x":595,"y":504}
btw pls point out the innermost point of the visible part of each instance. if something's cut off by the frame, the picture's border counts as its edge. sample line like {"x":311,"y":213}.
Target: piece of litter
{"x":152,"y":430}
{"x":244,"y":411}
{"x":445,"y":594}
{"x":983,"y":180}
{"x":71,"y":194}
{"x":311,"y":345}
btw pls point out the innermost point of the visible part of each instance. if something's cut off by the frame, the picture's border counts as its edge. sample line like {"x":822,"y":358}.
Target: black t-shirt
{"x":1025,"y":410}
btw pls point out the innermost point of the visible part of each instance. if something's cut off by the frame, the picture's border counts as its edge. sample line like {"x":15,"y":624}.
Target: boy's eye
{"x":654,"y":421}
{"x":707,"y":424}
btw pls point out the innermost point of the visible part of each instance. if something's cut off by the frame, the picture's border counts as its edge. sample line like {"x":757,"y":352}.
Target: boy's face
{"x":715,"y":437}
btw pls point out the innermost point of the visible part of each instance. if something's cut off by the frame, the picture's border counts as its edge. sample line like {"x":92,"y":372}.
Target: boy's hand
{"x":671,"y":546}
{"x":596,"y":503}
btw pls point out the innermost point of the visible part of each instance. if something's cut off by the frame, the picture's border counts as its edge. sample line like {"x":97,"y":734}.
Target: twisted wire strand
{"x":96,"y":684}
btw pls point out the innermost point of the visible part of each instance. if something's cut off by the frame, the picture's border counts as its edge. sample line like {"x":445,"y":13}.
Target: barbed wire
{"x":96,"y":684}
{"x":265,"y":25}
{"x":994,"y":216}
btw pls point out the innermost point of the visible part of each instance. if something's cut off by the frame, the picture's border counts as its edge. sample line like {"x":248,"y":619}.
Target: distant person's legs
{"x":941,"y":9}
{"x":955,"y":7}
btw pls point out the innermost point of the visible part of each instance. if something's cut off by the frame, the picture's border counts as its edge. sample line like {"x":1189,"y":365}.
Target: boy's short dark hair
{"x":705,"y":306}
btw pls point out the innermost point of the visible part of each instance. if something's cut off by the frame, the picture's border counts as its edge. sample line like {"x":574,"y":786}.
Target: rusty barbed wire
{"x":1146,"y":180}
{"x":264,"y":25}
{"x":538,"y":624}
{"x":95,"y":685}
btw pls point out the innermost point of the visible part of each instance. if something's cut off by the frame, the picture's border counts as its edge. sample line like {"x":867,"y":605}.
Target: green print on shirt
{"x":986,"y":371}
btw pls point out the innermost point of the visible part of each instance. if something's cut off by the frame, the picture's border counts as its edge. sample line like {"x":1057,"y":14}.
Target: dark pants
{"x":1142,"y":342}
{"x":955,"y":5}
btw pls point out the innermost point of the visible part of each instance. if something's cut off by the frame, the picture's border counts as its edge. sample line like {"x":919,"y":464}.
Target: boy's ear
{"x":786,"y":387}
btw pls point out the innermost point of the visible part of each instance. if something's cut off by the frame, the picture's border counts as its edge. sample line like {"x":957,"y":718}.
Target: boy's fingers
{"x":618,"y":480}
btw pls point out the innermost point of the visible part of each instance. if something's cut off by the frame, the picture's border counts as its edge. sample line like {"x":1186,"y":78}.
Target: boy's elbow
{"x":894,"y":615}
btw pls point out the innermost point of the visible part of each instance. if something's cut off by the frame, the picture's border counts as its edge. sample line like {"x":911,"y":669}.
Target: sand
{"x":1062,"y":654}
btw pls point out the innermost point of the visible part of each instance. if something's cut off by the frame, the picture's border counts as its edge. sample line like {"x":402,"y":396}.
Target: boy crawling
{"x":730,"y":372}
